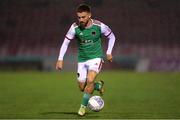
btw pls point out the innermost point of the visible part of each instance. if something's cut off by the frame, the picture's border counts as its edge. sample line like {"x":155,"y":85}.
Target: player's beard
{"x":82,"y":25}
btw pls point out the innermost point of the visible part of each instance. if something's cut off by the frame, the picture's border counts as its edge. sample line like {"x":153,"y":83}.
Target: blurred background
{"x":147,"y":33}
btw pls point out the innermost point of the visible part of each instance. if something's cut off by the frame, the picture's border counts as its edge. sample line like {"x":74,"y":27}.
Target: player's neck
{"x":90,"y":23}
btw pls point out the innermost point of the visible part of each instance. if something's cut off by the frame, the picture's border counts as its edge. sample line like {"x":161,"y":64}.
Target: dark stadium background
{"x":142,"y":82}
{"x":147,"y":33}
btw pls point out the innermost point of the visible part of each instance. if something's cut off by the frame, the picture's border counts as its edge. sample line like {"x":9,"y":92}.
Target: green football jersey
{"x":89,"y":42}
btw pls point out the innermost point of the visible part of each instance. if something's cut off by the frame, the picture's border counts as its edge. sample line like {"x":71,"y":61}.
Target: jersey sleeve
{"x":105,"y":30}
{"x":71,"y":32}
{"x":69,"y":36}
{"x":63,"y":49}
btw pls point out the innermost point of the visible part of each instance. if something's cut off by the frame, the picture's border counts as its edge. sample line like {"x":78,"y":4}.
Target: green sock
{"x":97,"y":86}
{"x":85,"y":100}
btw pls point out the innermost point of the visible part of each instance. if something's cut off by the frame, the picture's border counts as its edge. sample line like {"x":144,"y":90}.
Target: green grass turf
{"x":55,"y":95}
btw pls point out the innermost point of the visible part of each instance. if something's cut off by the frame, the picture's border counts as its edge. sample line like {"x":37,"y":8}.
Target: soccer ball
{"x":96,"y":103}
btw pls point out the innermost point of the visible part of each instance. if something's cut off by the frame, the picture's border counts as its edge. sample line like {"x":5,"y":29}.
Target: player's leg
{"x":82,"y":77}
{"x":82,"y":86}
{"x":89,"y":88}
{"x":99,"y":86}
{"x":94,"y":67}
{"x":90,"y":81}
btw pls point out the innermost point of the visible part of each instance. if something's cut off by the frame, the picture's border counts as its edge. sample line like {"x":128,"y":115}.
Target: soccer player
{"x":88,"y":33}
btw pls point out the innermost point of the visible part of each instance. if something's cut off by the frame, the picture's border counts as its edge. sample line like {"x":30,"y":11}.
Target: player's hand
{"x":109,"y":57}
{"x":59,"y":65}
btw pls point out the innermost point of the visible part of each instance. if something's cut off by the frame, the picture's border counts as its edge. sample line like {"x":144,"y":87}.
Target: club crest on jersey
{"x":93,"y":33}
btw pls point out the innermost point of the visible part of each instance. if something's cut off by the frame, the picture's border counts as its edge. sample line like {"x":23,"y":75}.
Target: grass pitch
{"x":54,"y":95}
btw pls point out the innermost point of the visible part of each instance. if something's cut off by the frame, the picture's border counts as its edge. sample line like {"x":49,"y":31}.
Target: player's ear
{"x":89,"y":15}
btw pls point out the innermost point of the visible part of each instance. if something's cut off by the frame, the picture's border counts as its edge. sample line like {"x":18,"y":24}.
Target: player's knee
{"x":90,"y":80}
{"x":89,"y":87}
{"x":90,"y":84}
{"x":81,"y":88}
{"x":89,"y":90}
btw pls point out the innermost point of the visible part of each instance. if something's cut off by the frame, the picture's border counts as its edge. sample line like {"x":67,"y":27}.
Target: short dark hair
{"x":83,"y":8}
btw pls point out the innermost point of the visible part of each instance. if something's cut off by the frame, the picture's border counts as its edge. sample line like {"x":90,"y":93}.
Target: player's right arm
{"x":69,"y":36}
{"x":59,"y":63}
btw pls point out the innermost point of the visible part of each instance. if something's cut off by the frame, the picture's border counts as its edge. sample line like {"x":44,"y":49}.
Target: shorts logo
{"x":78,"y":74}
{"x":96,"y":63}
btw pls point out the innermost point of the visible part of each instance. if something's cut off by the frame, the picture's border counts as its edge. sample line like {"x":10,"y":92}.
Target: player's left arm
{"x":111,"y":42}
{"x":111,"y":37}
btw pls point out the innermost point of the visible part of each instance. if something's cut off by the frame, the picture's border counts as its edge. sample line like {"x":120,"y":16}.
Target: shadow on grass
{"x":89,"y":114}
{"x":51,"y":113}
{"x":109,"y":115}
